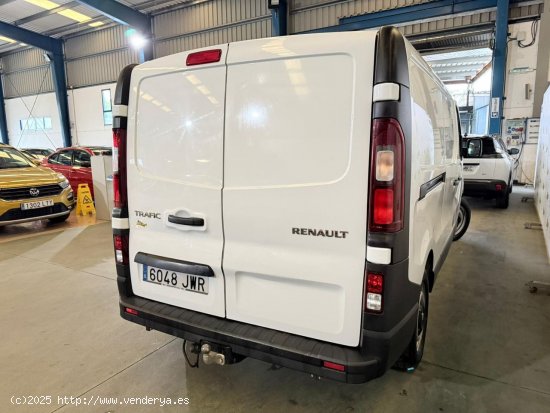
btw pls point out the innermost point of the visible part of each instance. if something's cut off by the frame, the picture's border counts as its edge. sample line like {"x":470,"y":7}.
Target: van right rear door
{"x":298,"y":117}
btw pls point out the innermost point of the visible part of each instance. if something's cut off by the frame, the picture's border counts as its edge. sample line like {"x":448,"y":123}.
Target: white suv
{"x":487,"y":168}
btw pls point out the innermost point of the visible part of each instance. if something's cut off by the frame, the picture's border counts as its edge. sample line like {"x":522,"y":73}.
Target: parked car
{"x":487,"y":168}
{"x":31,"y":157}
{"x":37,"y":152}
{"x":298,"y":215}
{"x":75,"y":163}
{"x":29,"y":192}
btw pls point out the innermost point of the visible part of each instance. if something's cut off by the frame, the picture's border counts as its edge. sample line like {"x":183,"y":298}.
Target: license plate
{"x":468,"y":168}
{"x":37,"y":204}
{"x":168,"y":278}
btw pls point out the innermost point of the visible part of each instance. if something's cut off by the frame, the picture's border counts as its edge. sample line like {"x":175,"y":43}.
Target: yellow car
{"x":29,"y":192}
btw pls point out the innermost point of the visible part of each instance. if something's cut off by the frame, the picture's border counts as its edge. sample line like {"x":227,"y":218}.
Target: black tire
{"x":503,"y":200}
{"x":412,"y":355}
{"x":58,"y":220}
{"x":463,"y":220}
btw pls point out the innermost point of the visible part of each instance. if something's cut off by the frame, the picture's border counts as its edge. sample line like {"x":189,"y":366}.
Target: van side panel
{"x":296,"y":183}
{"x":435,"y":165}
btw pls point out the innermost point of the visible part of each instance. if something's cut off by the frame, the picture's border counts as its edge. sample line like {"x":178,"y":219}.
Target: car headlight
{"x":64,"y":182}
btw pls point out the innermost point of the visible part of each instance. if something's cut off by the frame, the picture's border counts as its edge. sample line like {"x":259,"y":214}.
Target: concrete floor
{"x":488,"y":347}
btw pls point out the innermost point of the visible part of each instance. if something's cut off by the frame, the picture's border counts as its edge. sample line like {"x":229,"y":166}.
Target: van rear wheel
{"x":412,"y":355}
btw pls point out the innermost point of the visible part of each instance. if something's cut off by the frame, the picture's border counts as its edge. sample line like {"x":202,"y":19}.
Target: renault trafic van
{"x":289,"y":199}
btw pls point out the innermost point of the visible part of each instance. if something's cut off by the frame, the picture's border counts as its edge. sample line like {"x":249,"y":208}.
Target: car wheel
{"x":503,"y":200}
{"x":463,"y":220}
{"x":58,"y":220}
{"x":412,"y":355}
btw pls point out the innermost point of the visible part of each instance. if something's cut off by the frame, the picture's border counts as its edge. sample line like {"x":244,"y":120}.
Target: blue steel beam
{"x":430,"y":10}
{"x":279,"y":18}
{"x":54,"y":49}
{"x":129,"y":17}
{"x":3,"y":122}
{"x":29,"y":37}
{"x":499,"y":66}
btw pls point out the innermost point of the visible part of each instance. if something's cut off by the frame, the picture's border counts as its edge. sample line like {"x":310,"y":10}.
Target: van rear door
{"x":175,"y":176}
{"x":298,"y":118}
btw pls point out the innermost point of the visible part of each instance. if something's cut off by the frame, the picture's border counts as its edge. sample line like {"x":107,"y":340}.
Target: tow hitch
{"x":210,"y":353}
{"x":212,"y":357}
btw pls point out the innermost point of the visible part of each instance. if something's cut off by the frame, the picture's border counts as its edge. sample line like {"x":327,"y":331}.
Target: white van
{"x":290,"y":199}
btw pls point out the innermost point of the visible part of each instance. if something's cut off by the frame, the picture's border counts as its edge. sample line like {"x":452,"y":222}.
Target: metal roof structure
{"x":61,"y":18}
{"x":462,"y":65}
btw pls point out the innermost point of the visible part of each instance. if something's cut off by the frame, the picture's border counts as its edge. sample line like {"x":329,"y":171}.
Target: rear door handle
{"x":191,"y":221}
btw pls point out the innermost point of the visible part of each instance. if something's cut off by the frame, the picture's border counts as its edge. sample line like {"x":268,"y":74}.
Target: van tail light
{"x":374,"y":291}
{"x":203,"y":57}
{"x":387,"y":176}
{"x":119,"y":168}
{"x":121,"y":248}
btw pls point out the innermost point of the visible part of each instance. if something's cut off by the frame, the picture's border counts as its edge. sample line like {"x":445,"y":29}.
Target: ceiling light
{"x":45,"y":4}
{"x":137,"y":41}
{"x":96,"y":24}
{"x":7,"y":39}
{"x":74,"y":15}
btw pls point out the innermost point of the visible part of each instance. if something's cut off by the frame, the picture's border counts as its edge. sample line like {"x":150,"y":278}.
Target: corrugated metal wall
{"x":98,"y":57}
{"x":213,"y":22}
{"x":26,"y":73}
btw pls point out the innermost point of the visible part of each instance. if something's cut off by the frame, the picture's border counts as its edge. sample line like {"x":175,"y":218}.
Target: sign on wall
{"x":495,"y":107}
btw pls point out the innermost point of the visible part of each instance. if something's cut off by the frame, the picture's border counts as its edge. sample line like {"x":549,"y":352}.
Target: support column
{"x":542,"y":79}
{"x":57,"y":65}
{"x":3,"y":122}
{"x":499,"y":67}
{"x":279,"y":12}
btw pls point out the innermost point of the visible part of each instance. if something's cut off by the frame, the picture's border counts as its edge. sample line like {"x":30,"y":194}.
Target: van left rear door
{"x":175,"y":178}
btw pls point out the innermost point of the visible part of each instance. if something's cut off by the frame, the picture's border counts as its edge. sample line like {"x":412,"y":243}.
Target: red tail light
{"x":119,"y":168}
{"x":374,"y":291}
{"x":387,"y":176}
{"x":121,"y":248}
{"x":206,"y":56}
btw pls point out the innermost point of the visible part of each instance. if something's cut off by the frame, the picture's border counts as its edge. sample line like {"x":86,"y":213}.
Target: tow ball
{"x":211,"y":357}
{"x":211,"y":353}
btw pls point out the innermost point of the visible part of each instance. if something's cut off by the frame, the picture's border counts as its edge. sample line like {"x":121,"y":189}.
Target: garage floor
{"x":488,"y":347}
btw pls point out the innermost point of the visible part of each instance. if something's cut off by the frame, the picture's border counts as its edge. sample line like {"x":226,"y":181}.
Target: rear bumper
{"x":287,"y":350}
{"x":484,"y":187}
